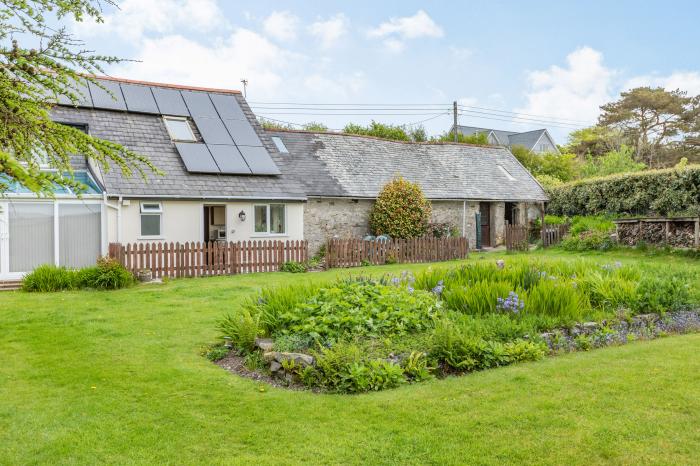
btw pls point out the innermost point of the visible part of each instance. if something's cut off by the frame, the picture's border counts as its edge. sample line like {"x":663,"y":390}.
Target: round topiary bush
{"x":401,"y":210}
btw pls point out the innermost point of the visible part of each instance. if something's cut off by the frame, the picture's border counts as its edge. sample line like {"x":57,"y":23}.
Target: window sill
{"x":269,"y":235}
{"x":150,"y":238}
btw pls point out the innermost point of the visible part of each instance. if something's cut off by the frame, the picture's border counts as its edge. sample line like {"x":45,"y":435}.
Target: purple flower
{"x":439,"y":288}
{"x":512,"y":303}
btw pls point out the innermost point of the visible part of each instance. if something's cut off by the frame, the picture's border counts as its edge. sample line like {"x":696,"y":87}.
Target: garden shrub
{"x":342,"y":368}
{"x":293,"y":267}
{"x":401,"y":210}
{"x":360,"y":307}
{"x":662,"y":292}
{"x":480,"y":298}
{"x":653,"y":192}
{"x":243,"y":328}
{"x":554,"y":299}
{"x":49,"y":278}
{"x":588,"y":241}
{"x":108,"y":274}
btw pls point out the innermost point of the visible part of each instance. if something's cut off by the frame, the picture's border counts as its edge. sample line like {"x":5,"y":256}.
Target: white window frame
{"x":189,"y":127}
{"x":279,"y":143}
{"x":151,"y":211}
{"x":267,"y":213}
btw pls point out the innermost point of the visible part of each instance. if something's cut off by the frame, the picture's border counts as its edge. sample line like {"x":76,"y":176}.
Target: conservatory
{"x":66,"y":230}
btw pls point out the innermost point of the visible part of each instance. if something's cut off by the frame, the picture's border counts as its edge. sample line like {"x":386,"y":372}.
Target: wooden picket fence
{"x":356,"y":252}
{"x":192,"y":259}
{"x":517,"y":237}
{"x":553,"y":234}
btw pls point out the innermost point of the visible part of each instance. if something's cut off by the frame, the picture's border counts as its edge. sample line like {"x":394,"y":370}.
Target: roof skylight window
{"x":280,"y":145}
{"x":507,"y":173}
{"x":179,"y":129}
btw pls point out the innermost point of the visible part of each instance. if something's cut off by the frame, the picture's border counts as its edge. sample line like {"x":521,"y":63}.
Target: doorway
{"x":214,"y":223}
{"x":511,"y":216}
{"x":485,"y":211}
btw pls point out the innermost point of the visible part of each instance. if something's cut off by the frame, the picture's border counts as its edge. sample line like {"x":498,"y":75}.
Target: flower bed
{"x":364,"y":333}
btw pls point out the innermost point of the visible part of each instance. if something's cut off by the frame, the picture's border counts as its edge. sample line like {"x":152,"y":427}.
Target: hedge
{"x":664,"y":192}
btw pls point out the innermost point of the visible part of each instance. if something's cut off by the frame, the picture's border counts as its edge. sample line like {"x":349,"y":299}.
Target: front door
{"x":485,"y":210}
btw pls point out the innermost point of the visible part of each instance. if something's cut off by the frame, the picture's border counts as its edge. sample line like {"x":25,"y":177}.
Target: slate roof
{"x":527,"y":139}
{"x":146,"y":134}
{"x":338,"y":165}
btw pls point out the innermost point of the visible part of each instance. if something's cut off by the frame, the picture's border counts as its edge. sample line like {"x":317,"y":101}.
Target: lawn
{"x":116,"y":377}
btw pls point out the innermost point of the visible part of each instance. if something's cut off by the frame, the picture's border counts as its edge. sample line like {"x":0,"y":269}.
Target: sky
{"x":510,"y":65}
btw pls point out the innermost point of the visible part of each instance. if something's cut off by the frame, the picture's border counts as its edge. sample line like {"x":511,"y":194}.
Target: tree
{"x":563,"y":167}
{"x":380,"y":130}
{"x":649,"y":116}
{"x":401,"y":210}
{"x":620,"y":161}
{"x":479,"y":139}
{"x":37,"y":64}
{"x":594,"y":141}
{"x":315,"y":126}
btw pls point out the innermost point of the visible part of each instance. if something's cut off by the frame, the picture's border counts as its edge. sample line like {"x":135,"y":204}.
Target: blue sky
{"x":542,"y":60}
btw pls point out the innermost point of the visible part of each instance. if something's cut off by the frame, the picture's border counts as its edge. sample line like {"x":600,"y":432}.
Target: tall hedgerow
{"x":674,"y":191}
{"x":401,"y":210}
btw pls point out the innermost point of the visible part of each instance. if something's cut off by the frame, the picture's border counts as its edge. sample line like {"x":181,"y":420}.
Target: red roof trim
{"x":172,"y":86}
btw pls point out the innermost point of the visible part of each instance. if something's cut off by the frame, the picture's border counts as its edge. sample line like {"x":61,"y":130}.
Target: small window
{"x":270,"y":219}
{"x":506,"y":172}
{"x":280,"y":145}
{"x":151,"y":213}
{"x":543,"y":147}
{"x":179,"y":129}
{"x":79,"y":126}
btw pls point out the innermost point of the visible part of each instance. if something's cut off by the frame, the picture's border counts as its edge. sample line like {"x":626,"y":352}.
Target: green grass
{"x":116,"y":377}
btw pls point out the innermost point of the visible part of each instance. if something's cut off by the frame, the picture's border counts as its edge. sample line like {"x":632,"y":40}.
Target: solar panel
{"x":242,"y":133}
{"x":213,"y":130}
{"x":196,"y":157}
{"x":82,"y":92}
{"x":170,"y":102}
{"x":101,"y":98}
{"x":139,"y":98}
{"x":259,"y":160}
{"x":199,"y":104}
{"x":229,"y":159}
{"x":227,"y":106}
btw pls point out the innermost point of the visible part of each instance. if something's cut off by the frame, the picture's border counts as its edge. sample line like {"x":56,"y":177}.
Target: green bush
{"x":601,"y":223}
{"x":401,"y":210}
{"x":661,"y":293}
{"x":243,"y":328}
{"x":360,"y":307}
{"x":273,"y":302}
{"x":50,"y":278}
{"x":588,"y":241}
{"x":652,"y":192}
{"x":216,"y":352}
{"x":109,"y":274}
{"x":480,"y":298}
{"x":379,"y":130}
{"x":342,"y":368}
{"x":293,"y":267}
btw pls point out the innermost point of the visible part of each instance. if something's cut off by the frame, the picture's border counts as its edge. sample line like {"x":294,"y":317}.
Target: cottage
{"x":342,"y":175}
{"x":224,"y":180}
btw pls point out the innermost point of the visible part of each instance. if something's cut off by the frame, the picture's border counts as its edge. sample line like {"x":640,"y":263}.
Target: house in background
{"x":224,"y":179}
{"x":538,"y":141}
{"x":343,"y":174}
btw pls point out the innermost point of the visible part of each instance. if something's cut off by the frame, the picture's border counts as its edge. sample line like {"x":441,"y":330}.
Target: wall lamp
{"x":241,"y":215}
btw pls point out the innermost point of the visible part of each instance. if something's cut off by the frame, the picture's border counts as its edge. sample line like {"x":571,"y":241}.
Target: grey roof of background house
{"x":527,"y":139}
{"x":146,"y":134}
{"x":338,"y":165}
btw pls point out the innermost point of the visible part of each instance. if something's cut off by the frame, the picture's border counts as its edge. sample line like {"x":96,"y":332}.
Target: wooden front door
{"x":485,"y":210}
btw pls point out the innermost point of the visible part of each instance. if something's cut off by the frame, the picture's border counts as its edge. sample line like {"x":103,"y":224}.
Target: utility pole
{"x":245,"y":85}
{"x":454,"y":118}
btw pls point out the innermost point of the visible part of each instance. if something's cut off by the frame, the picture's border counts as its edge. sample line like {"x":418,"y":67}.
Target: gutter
{"x":189,"y":197}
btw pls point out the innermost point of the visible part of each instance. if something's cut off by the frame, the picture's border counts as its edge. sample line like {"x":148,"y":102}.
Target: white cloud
{"x":319,"y":86}
{"x":330,"y":30}
{"x":574,"y":92}
{"x":397,"y":30}
{"x":281,"y":25}
{"x":409,"y":27}
{"x":242,"y":54}
{"x":461,"y":53}
{"x":684,"y":80}
{"x":135,"y":18}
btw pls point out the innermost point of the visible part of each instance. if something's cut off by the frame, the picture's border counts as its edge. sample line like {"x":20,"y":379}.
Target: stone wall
{"x":326,"y":218}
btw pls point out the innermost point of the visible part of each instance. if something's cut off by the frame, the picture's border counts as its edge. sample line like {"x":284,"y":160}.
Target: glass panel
{"x":150,"y":224}
{"x":31,"y":236}
{"x":79,"y":235}
{"x":260,"y":219}
{"x":150,"y":208}
{"x":277,"y":218}
{"x":179,"y":130}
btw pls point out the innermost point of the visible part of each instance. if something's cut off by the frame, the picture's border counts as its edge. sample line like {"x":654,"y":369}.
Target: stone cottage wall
{"x":326,"y":218}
